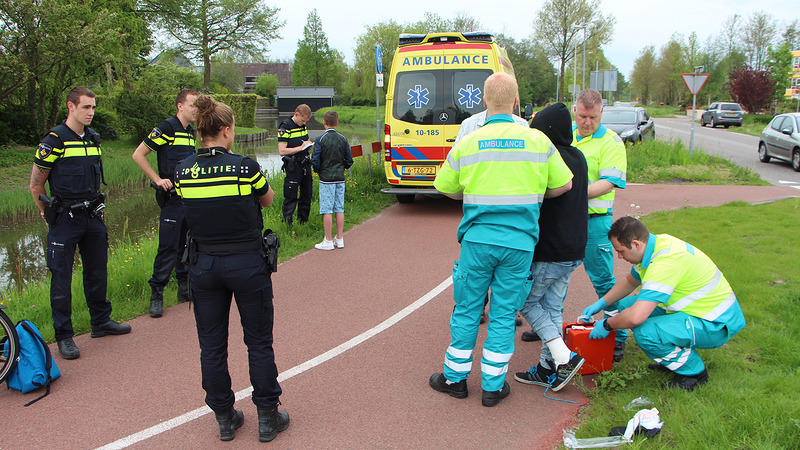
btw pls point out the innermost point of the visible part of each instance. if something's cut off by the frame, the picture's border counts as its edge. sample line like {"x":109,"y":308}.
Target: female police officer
{"x":223,"y":194}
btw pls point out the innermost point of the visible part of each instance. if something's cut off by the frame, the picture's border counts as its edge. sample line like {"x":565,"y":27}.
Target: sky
{"x":638,"y":24}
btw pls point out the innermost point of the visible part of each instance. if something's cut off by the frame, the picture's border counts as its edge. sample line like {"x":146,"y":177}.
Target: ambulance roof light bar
{"x":408,"y":39}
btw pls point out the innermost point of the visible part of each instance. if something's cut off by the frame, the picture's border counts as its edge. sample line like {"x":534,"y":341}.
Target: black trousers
{"x":213,"y":280}
{"x":90,"y":236}
{"x":298,"y":182}
{"x":171,"y":242}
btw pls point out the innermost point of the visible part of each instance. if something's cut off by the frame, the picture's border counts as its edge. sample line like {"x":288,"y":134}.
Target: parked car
{"x":631,"y":124}
{"x":726,"y":114}
{"x":781,"y":140}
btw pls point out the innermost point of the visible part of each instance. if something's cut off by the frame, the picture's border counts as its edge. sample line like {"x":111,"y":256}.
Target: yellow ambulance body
{"x":435,"y":83}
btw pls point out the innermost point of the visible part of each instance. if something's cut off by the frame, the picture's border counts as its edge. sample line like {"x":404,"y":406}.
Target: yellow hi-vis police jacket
{"x":606,"y":159}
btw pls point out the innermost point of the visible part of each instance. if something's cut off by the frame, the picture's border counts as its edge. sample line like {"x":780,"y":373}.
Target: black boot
{"x":229,"y":421}
{"x":157,"y":301}
{"x":183,"y":290}
{"x":271,"y":422}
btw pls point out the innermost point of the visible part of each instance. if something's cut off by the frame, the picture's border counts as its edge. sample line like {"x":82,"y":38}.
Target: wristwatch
{"x":606,"y":325}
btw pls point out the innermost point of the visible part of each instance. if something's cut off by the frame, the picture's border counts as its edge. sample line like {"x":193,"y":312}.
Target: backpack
{"x":35,"y":366}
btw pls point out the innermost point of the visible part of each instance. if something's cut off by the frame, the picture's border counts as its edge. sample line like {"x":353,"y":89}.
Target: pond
{"x":133,"y":214}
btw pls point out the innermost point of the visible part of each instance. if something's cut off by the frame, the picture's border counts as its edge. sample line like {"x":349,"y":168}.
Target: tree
{"x":360,"y":85}
{"x":670,"y":66}
{"x":779,"y":65}
{"x":206,"y":27}
{"x":315,"y":63}
{"x":644,"y":74}
{"x":226,"y":74}
{"x":729,"y":38}
{"x":267,"y":86}
{"x":791,"y":35}
{"x":751,"y":88}
{"x":758,"y":35}
{"x":556,"y":30}
{"x":536,"y":76}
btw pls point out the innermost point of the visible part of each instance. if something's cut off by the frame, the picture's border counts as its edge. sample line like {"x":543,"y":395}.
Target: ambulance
{"x":435,"y":83}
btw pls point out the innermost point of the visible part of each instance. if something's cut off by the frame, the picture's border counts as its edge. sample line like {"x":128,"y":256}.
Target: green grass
{"x":653,"y":162}
{"x":663,"y":111}
{"x":753,"y":124}
{"x":354,"y":114}
{"x":751,"y":400}
{"x":131,"y":262}
{"x":244,"y":130}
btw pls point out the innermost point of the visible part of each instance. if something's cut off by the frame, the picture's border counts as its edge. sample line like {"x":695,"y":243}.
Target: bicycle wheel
{"x":9,"y":346}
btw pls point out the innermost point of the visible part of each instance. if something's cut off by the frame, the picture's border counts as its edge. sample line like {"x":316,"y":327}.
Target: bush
{"x":243,"y":105}
{"x":141,"y":111}
{"x":267,"y":86}
{"x":16,"y":125}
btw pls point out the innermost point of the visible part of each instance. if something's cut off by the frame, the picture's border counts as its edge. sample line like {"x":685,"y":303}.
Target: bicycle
{"x":9,"y":345}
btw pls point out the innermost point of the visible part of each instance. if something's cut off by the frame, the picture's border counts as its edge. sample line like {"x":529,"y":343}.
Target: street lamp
{"x":583,"y":81}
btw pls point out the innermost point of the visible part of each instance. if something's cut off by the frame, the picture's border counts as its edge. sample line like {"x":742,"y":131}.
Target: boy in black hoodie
{"x":562,"y":242}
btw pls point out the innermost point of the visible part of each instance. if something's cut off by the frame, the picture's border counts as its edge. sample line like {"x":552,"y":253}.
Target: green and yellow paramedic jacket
{"x":679,"y":277}
{"x":503,"y":169}
{"x":606,"y":159}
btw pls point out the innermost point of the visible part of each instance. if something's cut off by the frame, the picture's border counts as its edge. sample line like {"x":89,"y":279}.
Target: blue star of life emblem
{"x":470,"y":96}
{"x":418,"y":96}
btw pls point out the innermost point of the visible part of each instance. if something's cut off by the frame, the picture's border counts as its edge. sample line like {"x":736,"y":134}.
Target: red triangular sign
{"x":695,"y":81}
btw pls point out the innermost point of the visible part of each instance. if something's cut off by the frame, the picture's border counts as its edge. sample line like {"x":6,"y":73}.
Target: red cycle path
{"x":374,"y":394}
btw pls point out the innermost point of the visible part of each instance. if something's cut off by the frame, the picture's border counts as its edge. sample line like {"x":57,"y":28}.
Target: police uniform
{"x":298,"y":180}
{"x":503,"y":170}
{"x":606,"y":159}
{"x":219,"y":192}
{"x":696,"y":306}
{"x":75,"y":175}
{"x":172,"y":143}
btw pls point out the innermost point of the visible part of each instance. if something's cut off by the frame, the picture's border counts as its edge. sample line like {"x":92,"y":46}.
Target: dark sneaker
{"x":658,"y":367}
{"x":530,"y":336}
{"x":619,"y":350}
{"x":518,"y":320}
{"x":688,"y":382}
{"x":439,"y":383}
{"x":110,"y":327}
{"x":492,"y":398}
{"x":537,"y":375}
{"x":565,"y":372}
{"x":68,"y":349}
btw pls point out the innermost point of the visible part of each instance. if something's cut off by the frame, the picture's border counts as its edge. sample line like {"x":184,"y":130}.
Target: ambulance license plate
{"x":419,"y":170}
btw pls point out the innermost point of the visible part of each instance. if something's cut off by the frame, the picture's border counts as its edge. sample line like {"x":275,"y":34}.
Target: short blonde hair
{"x":303,"y":110}
{"x":500,"y":90}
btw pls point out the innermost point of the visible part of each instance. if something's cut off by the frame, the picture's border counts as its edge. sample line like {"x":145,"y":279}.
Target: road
{"x":742,"y":149}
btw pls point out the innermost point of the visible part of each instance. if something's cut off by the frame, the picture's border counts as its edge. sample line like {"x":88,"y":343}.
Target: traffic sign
{"x":695,"y":81}
{"x":379,"y":58}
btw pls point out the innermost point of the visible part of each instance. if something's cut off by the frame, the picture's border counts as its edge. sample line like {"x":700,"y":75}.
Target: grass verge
{"x":751,"y":399}
{"x":364,"y":115}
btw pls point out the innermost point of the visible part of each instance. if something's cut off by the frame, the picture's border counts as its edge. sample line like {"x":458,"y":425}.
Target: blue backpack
{"x":35,"y":366}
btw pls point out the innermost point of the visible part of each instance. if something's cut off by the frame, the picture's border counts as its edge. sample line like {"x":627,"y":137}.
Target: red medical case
{"x":598,"y":353}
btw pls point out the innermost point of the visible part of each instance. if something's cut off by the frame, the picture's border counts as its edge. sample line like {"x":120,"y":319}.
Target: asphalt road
{"x":742,"y":149}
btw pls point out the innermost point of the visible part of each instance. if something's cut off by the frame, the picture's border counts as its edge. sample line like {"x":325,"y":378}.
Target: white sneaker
{"x":339,"y":243}
{"x":324,"y":245}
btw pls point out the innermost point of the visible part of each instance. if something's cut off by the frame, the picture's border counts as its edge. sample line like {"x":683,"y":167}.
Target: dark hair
{"x":74,"y":96}
{"x":212,"y":116}
{"x":331,"y":118}
{"x":628,"y":228}
{"x":181,"y":97}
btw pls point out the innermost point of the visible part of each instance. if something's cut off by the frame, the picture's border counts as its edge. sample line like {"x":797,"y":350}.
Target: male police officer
{"x":172,"y":140}
{"x":69,"y":159}
{"x":502,"y":171}
{"x":607,"y":163}
{"x":685,"y":302}
{"x":293,"y":145}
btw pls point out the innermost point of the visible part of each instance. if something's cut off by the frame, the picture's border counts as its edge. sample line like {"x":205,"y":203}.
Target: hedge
{"x":243,"y":105}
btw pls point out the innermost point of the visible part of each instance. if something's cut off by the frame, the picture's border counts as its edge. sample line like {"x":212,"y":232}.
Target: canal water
{"x":130,"y":215}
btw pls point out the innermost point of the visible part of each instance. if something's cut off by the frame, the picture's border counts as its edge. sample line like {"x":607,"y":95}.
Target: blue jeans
{"x":545,"y":302}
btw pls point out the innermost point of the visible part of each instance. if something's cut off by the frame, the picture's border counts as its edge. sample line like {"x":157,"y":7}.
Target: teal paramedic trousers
{"x":599,"y":261}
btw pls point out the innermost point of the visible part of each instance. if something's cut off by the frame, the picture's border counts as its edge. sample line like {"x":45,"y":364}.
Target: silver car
{"x":781,"y":140}
{"x":726,"y":114}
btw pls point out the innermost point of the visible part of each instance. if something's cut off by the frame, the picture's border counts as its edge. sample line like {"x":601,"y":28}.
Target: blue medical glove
{"x":599,"y":331}
{"x":591,"y":310}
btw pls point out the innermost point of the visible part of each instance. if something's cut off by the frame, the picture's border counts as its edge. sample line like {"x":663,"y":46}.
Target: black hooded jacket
{"x":563,"y":220}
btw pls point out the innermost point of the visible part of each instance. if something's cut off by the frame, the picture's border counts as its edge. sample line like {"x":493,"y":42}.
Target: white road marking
{"x":788,"y":182}
{"x":296,"y":370}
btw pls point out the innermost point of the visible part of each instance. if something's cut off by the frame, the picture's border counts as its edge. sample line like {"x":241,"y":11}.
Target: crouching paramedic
{"x":222,"y":195}
{"x":685,"y":302}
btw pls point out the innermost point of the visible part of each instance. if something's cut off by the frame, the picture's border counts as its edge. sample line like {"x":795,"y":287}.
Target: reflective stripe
{"x":607,"y":204}
{"x":458,"y":353}
{"x":697,"y":295}
{"x":658,"y":287}
{"x":664,"y":251}
{"x":682,"y":355}
{"x":494,"y":371}
{"x":617,"y":138}
{"x":503,"y":199}
{"x":458,"y":367}
{"x":497,"y":156}
{"x":614,"y":173}
{"x":500,"y":358}
{"x":551,"y":151}
{"x":721,"y":308}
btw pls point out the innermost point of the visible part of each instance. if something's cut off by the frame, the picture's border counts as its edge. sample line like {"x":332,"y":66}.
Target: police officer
{"x":503,"y":172}
{"x":607,"y":162}
{"x":293,"y":146}
{"x":172,"y":140}
{"x":223,"y":194}
{"x":684,"y":303}
{"x":69,"y":158}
